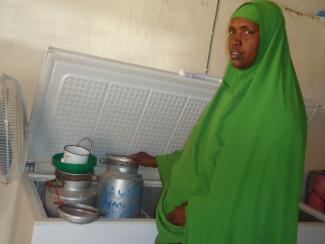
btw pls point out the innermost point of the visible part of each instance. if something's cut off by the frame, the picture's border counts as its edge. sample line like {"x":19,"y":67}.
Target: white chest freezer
{"x":124,"y":109}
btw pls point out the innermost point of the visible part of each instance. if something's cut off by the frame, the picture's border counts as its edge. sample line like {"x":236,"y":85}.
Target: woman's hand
{"x":144,"y":159}
{"x":177,"y":216}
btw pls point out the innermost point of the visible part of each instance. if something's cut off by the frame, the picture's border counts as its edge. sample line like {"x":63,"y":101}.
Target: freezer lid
{"x":123,"y":108}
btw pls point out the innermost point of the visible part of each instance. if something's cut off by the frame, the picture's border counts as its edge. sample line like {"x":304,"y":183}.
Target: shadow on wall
{"x":24,"y":63}
{"x":315,"y":156}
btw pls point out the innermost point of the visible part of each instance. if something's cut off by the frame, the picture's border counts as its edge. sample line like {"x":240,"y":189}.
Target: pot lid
{"x":119,"y":160}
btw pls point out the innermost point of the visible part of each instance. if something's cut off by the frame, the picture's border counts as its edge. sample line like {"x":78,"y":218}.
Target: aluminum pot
{"x":70,"y":189}
{"x":78,"y":213}
{"x":120,"y":188}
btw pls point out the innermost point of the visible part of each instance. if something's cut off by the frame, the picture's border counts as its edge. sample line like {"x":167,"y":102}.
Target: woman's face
{"x":243,"y":42}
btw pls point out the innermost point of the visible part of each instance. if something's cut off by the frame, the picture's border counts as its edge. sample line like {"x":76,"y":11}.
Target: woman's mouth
{"x":235,"y":54}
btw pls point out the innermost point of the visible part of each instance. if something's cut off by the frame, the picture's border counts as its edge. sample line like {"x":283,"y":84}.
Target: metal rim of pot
{"x":78,"y":213}
{"x":119,"y":160}
{"x":90,"y":176}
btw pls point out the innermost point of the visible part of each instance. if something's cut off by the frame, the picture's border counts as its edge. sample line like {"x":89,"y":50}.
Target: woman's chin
{"x":239,"y":64}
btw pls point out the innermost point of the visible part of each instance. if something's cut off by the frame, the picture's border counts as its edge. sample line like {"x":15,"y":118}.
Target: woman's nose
{"x":236,"y":41}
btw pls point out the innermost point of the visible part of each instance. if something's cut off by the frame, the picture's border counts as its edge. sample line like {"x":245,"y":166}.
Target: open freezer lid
{"x":123,"y":108}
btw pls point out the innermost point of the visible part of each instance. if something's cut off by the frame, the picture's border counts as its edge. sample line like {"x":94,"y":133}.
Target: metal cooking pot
{"x":120,"y":188}
{"x":78,"y":213}
{"x":71,"y":189}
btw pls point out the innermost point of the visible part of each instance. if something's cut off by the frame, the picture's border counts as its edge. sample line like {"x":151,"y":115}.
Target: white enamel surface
{"x":75,"y":155}
{"x":76,"y":150}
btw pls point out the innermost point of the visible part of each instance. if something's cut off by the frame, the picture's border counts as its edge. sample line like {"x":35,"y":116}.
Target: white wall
{"x":309,"y":7}
{"x":8,"y":196}
{"x":163,"y":34}
{"x":307,"y":38}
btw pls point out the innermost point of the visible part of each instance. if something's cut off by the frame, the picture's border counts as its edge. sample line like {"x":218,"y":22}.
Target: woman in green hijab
{"x":238,"y":178}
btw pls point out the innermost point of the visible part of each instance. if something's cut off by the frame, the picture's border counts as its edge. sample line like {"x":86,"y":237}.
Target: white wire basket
{"x":13,"y":129}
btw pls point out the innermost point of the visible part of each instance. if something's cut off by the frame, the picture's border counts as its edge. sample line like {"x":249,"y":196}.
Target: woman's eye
{"x":231,"y":32}
{"x":248,"y":32}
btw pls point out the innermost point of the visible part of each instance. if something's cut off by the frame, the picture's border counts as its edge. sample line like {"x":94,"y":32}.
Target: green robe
{"x":242,"y":166}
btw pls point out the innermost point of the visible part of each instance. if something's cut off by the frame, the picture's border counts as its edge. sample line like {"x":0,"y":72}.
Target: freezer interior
{"x":150,"y":195}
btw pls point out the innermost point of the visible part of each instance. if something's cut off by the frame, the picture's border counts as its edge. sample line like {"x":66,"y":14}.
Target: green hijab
{"x":241,"y":168}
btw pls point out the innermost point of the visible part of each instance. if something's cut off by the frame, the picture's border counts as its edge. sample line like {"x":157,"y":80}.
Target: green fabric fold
{"x":241,"y":168}
{"x":165,"y":164}
{"x":169,"y":233}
